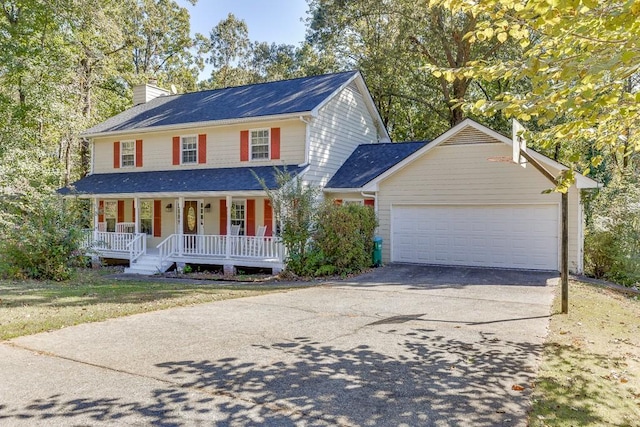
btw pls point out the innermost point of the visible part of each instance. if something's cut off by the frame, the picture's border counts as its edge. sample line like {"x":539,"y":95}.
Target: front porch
{"x":228,"y":251}
{"x":153,"y":234}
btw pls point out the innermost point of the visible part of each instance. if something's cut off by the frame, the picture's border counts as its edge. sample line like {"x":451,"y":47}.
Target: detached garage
{"x":449,"y":202}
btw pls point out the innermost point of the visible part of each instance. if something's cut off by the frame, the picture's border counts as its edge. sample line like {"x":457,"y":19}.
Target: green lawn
{"x":29,"y":307}
{"x":590,"y":374}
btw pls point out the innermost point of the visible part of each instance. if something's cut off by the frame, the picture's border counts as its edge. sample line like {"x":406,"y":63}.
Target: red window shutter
{"x":133,"y":210}
{"x":202,"y":148}
{"x":369,"y":202}
{"x":101,"y":211}
{"x":116,"y":154}
{"x":244,"y":146}
{"x":337,"y":202}
{"x":251,"y":218}
{"x":138,"y":153}
{"x":157,"y":218}
{"x":176,"y":150}
{"x":268,"y":217}
{"x":120,"y":210}
{"x":275,"y":143}
{"x":223,"y":217}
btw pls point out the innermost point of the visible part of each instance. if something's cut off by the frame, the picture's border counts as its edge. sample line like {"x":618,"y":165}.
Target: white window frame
{"x":132,"y":153}
{"x":182,"y":150}
{"x":243,"y":221}
{"x":149,"y":231}
{"x":110,"y":208}
{"x":268,"y":144}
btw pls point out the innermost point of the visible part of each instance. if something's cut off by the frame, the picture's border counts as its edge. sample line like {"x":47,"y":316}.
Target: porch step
{"x":148,"y":265}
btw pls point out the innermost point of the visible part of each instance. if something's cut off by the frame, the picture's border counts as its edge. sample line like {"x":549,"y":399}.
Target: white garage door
{"x":507,"y":236}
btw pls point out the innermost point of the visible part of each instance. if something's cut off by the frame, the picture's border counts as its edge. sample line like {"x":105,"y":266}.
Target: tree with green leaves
{"x":581,"y":60}
{"x":391,"y":41}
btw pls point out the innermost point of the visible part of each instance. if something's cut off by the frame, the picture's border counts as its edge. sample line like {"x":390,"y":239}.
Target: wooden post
{"x":564,"y":267}
{"x":564,"y":251}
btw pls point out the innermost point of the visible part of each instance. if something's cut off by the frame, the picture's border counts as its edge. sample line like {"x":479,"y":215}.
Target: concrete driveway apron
{"x":401,"y":345}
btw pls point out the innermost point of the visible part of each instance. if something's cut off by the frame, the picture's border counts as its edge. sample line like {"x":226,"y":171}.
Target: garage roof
{"x":369,"y":161}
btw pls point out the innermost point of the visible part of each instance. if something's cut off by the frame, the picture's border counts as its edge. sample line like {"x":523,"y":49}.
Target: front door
{"x":190,"y":223}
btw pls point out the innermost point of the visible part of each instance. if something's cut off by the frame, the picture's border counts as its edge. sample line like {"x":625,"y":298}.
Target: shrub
{"x":41,"y":238}
{"x":344,"y":238}
{"x":612,"y":240}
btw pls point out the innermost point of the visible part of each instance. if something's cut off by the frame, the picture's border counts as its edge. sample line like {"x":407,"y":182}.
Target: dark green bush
{"x":41,"y":240}
{"x":344,"y":239}
{"x":612,"y":240}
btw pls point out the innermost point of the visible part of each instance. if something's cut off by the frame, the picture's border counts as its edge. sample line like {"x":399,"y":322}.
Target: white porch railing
{"x":137,"y":247}
{"x":112,"y":242}
{"x":264,"y":248}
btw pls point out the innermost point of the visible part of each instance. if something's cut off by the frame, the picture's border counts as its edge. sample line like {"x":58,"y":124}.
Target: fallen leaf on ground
{"x":517,"y":387}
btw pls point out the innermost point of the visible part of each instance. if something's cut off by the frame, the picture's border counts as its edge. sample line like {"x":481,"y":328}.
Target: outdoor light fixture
{"x":207,"y":207}
{"x":169,"y":207}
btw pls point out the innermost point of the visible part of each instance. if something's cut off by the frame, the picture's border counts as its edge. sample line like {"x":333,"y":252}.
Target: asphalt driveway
{"x":402,"y":345}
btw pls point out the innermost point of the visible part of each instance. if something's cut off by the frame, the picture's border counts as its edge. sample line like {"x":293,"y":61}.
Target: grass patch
{"x":29,"y":307}
{"x":590,"y":373}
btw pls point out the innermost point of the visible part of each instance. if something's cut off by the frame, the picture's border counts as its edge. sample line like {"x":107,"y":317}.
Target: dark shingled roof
{"x":371,"y":160}
{"x":190,"y":180}
{"x":264,"y":99}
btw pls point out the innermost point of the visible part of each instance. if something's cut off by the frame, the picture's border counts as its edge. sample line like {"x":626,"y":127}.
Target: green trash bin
{"x":377,"y":251}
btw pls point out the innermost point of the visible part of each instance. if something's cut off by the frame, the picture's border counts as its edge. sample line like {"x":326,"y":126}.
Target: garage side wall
{"x":464,"y":175}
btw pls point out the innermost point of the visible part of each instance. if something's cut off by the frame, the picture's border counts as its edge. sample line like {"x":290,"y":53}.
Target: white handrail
{"x":168,"y":247}
{"x":109,"y":241}
{"x":137,"y":247}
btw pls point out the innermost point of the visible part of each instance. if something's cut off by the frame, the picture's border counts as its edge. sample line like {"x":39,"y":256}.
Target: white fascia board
{"x":342,"y":190}
{"x":366,"y":95}
{"x":316,"y":109}
{"x":581,"y":180}
{"x":195,"y":125}
{"x":371,"y":106}
{"x":169,"y":195}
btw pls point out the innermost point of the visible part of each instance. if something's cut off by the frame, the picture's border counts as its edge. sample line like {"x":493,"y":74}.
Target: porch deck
{"x":228,"y":251}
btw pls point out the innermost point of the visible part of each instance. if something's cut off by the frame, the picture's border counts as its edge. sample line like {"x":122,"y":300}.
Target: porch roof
{"x":180,"y":181}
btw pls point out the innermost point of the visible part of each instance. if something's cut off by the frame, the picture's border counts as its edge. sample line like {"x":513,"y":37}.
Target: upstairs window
{"x":128,"y":153}
{"x":259,"y":144}
{"x":189,"y":149}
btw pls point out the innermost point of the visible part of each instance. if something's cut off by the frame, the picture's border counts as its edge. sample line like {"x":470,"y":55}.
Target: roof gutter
{"x":210,"y":123}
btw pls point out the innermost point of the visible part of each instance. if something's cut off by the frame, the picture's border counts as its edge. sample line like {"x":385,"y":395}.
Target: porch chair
{"x":257,"y":242}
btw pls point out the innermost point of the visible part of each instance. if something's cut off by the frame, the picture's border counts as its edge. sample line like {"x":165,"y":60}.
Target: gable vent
{"x":470,"y":136}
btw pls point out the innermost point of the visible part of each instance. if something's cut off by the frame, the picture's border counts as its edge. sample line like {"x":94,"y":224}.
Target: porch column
{"x":179,"y":231}
{"x":228,"y":246}
{"x":96,"y":213}
{"x":136,"y":219}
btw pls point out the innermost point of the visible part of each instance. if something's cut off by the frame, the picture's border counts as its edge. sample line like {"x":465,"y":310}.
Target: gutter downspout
{"x":373,"y":196}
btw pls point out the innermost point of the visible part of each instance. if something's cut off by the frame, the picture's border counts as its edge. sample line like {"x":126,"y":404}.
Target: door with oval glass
{"x":190,"y":224}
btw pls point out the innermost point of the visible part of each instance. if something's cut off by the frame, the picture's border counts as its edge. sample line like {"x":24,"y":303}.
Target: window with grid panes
{"x":189,"y":149}
{"x":238,"y":215}
{"x":128,"y":153}
{"x":260,"y":144}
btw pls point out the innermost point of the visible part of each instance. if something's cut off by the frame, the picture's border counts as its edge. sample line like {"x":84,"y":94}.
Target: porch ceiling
{"x":189,"y":182}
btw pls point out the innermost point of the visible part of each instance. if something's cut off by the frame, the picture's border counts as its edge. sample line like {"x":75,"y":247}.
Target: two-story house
{"x":175,"y":179}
